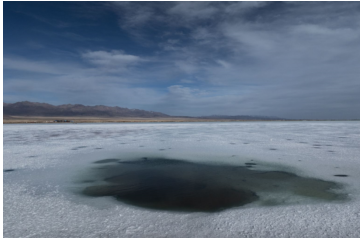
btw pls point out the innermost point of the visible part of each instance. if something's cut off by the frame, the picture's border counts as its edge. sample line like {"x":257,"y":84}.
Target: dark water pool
{"x":170,"y":184}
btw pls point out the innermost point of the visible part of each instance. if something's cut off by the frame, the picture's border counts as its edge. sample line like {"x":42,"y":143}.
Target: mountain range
{"x":26,"y":108}
{"x":35,"y":109}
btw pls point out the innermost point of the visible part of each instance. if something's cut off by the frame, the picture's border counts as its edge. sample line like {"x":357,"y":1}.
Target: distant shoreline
{"x":77,"y":119}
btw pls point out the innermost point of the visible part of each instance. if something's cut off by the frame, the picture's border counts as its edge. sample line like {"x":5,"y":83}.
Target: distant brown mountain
{"x":26,"y":108}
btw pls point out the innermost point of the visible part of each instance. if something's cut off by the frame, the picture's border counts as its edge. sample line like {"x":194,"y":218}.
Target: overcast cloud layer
{"x":284,"y":59}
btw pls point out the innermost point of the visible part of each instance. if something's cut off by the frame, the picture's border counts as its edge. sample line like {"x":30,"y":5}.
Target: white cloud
{"x":187,"y":66}
{"x":251,"y":38}
{"x":223,"y":63}
{"x":133,"y":15}
{"x":113,"y":61}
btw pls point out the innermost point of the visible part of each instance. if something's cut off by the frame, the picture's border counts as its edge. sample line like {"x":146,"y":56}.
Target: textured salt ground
{"x":40,"y":200}
{"x":55,"y":216}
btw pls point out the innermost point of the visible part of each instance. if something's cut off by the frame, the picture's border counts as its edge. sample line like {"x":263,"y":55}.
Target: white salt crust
{"x":40,"y":197}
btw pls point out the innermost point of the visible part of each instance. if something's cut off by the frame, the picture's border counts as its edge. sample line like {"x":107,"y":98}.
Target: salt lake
{"x":237,"y":179}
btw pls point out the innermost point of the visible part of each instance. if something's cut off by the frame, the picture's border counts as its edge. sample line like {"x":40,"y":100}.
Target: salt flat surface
{"x":44,"y":165}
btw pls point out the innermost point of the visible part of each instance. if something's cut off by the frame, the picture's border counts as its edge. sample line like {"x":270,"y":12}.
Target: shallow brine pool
{"x":247,"y":179}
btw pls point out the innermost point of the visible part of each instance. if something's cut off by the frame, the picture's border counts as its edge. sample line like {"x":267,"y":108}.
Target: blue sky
{"x":284,"y":59}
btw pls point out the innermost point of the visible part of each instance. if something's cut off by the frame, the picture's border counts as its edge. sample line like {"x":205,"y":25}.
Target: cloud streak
{"x":113,"y":61}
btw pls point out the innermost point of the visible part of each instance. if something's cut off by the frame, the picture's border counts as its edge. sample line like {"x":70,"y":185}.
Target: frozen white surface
{"x":40,"y":197}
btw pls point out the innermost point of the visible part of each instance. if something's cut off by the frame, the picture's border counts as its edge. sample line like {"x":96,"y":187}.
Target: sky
{"x":283,"y":59}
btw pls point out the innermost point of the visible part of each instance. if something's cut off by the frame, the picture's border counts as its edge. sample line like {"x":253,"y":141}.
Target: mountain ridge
{"x":27,"y":108}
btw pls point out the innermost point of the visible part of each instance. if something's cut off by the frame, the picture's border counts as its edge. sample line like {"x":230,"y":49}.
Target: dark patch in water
{"x":302,"y":142}
{"x":250,"y":163}
{"x":316,"y":145}
{"x":123,"y":143}
{"x":98,"y":148}
{"x":331,"y":151}
{"x":9,"y":170}
{"x":111,"y":160}
{"x":232,"y":143}
{"x":272,"y":149}
{"x":76,"y":148}
{"x":169,"y":184}
{"x":289,"y":139}
{"x":340,"y":175}
{"x":161,"y":149}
